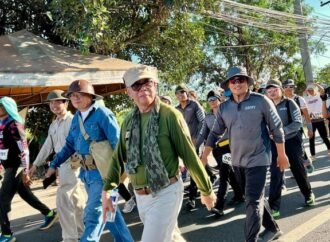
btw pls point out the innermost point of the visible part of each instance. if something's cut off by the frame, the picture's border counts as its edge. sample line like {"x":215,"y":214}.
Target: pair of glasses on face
{"x":238,"y":80}
{"x":139,"y":84}
{"x":288,"y":87}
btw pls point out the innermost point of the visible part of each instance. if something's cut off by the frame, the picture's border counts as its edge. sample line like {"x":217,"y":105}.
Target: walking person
{"x":194,"y":116}
{"x":152,"y":138}
{"x":289,"y":91}
{"x":100,"y":124}
{"x":250,"y":116}
{"x":289,"y":113}
{"x":14,"y":157}
{"x":219,"y":149}
{"x":314,"y":104}
{"x":70,"y":196}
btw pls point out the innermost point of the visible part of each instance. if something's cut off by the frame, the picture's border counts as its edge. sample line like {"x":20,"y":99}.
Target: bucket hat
{"x":10,"y":106}
{"x":55,"y":95}
{"x":82,"y":86}
{"x":234,"y":72}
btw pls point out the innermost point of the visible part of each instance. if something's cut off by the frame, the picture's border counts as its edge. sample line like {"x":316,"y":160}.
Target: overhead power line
{"x":252,"y":16}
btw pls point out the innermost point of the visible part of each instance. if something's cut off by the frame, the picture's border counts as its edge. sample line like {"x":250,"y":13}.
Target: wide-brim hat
{"x":135,"y":74}
{"x":236,"y":71}
{"x":82,"y":86}
{"x":10,"y":106}
{"x":56,"y":95}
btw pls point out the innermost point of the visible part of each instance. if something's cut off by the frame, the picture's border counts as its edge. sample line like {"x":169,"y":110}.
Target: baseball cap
{"x":134,"y":74}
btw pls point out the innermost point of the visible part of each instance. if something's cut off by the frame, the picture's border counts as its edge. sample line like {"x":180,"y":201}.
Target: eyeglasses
{"x":239,"y":80}
{"x":139,"y":84}
{"x":211,"y":99}
{"x":180,"y":92}
{"x":291,"y":87}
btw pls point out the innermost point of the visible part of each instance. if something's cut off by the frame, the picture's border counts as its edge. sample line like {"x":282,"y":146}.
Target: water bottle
{"x":114,"y":196}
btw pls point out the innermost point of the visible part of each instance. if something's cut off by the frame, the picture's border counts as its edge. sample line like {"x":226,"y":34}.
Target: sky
{"x":324,"y":13}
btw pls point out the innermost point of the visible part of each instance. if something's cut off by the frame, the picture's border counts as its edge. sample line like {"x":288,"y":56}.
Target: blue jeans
{"x":93,"y":212}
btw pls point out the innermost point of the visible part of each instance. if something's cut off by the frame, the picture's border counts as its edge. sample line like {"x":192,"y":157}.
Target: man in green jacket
{"x":152,"y":138}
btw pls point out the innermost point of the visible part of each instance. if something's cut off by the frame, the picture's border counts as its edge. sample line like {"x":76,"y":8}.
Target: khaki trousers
{"x":70,"y":202}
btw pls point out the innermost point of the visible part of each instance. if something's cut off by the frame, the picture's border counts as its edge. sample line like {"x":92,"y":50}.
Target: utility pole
{"x":305,"y":55}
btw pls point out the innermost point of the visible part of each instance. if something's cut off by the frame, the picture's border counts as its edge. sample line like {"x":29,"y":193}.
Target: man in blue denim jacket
{"x":100,"y":124}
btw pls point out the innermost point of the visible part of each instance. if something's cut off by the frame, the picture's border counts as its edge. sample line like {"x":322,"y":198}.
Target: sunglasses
{"x":180,"y":92}
{"x":239,"y":80}
{"x":139,"y":84}
{"x":291,"y":87}
{"x":211,"y":99}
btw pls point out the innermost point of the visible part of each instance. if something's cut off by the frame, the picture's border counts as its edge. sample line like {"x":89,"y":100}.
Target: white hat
{"x":311,"y":86}
{"x":134,"y":74}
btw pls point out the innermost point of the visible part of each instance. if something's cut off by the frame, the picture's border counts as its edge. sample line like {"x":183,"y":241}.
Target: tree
{"x":324,"y":75}
{"x":158,"y":33}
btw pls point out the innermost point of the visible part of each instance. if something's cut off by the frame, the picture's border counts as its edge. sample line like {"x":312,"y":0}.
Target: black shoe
{"x":235,"y":201}
{"x":268,"y":235}
{"x":217,"y":212}
{"x":191,"y":204}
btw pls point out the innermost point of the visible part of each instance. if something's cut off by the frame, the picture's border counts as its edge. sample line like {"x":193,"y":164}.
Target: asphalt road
{"x":297,"y":222}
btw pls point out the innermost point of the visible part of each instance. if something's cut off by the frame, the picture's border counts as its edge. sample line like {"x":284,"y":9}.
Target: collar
{"x":246,"y":97}
{"x":68,"y":113}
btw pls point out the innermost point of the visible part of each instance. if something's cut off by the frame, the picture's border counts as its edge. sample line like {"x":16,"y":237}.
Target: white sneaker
{"x":129,"y":206}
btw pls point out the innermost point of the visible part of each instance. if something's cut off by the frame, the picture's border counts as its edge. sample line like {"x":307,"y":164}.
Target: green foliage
{"x":261,"y":50}
{"x":157,"y":33}
{"x":324,"y":75}
{"x":118,"y":102}
{"x":38,"y":120}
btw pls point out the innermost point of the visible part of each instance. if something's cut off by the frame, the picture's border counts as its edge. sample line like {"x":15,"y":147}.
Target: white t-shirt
{"x":85,"y":113}
{"x":302,"y":102}
{"x":314,"y":105}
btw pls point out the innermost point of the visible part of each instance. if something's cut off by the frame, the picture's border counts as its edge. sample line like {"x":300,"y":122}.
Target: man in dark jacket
{"x":289,"y":113}
{"x":250,"y":116}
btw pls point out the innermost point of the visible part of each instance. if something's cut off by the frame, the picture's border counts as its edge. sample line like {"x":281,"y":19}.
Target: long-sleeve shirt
{"x":249,"y":124}
{"x":173,"y":140}
{"x":100,"y":124}
{"x":13,"y":144}
{"x":57,"y":133}
{"x":206,"y":128}
{"x":194,"y":115}
{"x":291,"y":118}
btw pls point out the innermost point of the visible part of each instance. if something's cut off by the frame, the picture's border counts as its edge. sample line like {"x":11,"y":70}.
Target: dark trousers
{"x":11,"y":184}
{"x":252,"y":181}
{"x":319,"y":126}
{"x":227,"y":175}
{"x":294,"y":151}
